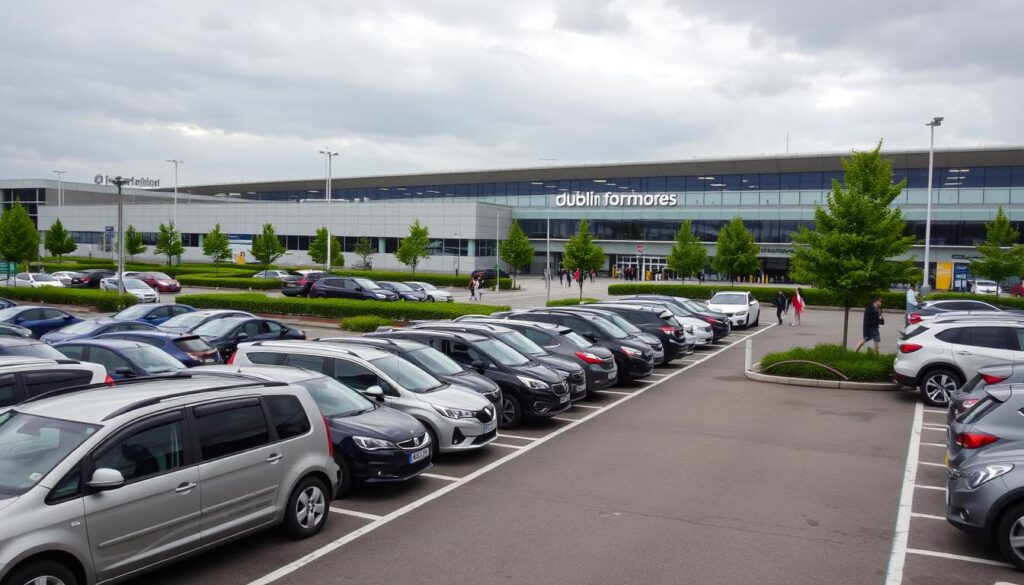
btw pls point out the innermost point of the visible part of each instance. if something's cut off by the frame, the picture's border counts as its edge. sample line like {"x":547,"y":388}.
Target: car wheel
{"x":431,"y":299}
{"x":938,"y":385}
{"x":307,"y":509}
{"x":1010,"y":535}
{"x":511,"y":411}
{"x":345,"y":471}
{"x":757,"y":320}
{"x":435,"y":446}
{"x":42,"y":573}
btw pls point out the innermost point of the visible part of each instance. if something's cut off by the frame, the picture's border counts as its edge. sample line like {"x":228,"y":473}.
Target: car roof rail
{"x":287,"y":345}
{"x":158,"y":399}
{"x":81,"y":387}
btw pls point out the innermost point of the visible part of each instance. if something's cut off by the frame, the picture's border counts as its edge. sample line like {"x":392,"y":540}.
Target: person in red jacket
{"x":798,"y":307}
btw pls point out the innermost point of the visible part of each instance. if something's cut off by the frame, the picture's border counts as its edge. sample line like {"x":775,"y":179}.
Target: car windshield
{"x":82,"y":327}
{"x":729,"y":299}
{"x":31,"y":446}
{"x":186,"y":321}
{"x":522,"y":343}
{"x":502,"y":353}
{"x":400,"y":287}
{"x":135,"y":284}
{"x":334,"y":398}
{"x":217,"y":327}
{"x":407,"y":374}
{"x":44,"y":278}
{"x":152,"y":360}
{"x":985,"y":282}
{"x":39,"y":350}
{"x":426,"y":286}
{"x":160,"y":276}
{"x":366,"y":283}
{"x":134,"y":312}
{"x":608,"y":328}
{"x":622,"y":323}
{"x":10,"y":313}
{"x":577,"y":340}
{"x":434,"y":362}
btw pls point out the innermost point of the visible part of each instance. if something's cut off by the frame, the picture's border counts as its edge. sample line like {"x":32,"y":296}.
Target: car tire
{"x":431,"y":299}
{"x":51,"y":571}
{"x":1011,"y":525}
{"x":938,"y":385}
{"x":511,"y":411}
{"x":307,"y":509}
{"x":347,"y":481}
{"x":757,"y":320}
{"x":435,"y":446}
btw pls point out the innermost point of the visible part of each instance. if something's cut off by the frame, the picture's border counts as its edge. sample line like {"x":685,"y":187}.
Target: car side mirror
{"x":19,"y":319}
{"x":589,"y":337}
{"x":359,"y":289}
{"x":752,"y":303}
{"x":478,"y":365}
{"x":104,"y":479}
{"x":124,"y":371}
{"x":374,"y":393}
{"x":283,"y":333}
{"x":68,"y":317}
{"x":242,"y":336}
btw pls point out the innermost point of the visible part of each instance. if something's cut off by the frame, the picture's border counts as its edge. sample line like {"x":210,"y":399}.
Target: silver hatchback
{"x":102,"y":484}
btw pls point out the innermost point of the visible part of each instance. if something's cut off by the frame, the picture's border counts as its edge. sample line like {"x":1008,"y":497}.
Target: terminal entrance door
{"x":643,"y":264}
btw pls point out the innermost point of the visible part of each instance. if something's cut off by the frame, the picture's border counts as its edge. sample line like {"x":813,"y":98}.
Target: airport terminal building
{"x":634,"y":209}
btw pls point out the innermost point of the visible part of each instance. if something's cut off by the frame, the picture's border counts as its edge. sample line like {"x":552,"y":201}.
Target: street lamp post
{"x":925,"y":287}
{"x":330,"y":155}
{"x":547,"y":258}
{"x":119,"y":182}
{"x":176,"y":162}
{"x":60,"y":192}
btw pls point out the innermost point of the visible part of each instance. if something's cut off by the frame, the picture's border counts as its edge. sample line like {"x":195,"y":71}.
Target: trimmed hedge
{"x":211,"y":280}
{"x":570,"y":302}
{"x":859,"y":367}
{"x":101,"y":300}
{"x":336,"y":308}
{"x":764,"y":294}
{"x":461,"y":281}
{"x":174,"y":271}
{"x":365,"y":323}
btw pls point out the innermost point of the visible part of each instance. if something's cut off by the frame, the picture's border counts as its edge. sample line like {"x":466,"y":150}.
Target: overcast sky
{"x":245,"y":91}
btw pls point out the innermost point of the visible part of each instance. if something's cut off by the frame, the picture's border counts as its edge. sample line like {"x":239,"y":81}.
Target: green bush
{"x":101,"y":300}
{"x":336,"y":308}
{"x":174,"y":271}
{"x":461,"y":281}
{"x":569,"y":302}
{"x":240,"y":282}
{"x":364,"y":323}
{"x":859,"y":367}
{"x":764,"y":294}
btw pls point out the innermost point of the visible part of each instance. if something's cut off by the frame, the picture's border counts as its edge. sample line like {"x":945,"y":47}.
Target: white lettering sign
{"x":592,"y":199}
{"x":101,"y":179}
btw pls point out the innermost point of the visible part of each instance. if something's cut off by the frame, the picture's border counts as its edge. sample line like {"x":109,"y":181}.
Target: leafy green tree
{"x":688,"y":256}
{"x":318,"y":249}
{"x":365,"y":250}
{"x":168,"y":242}
{"x":19,"y":239}
{"x":516,"y":251}
{"x":133,"y":242}
{"x":58,"y":241}
{"x":266,"y":248}
{"x":413,"y":250}
{"x":216,"y":246}
{"x":849,"y":253}
{"x":1001,"y":255}
{"x":581,"y":252}
{"x":736,"y":253}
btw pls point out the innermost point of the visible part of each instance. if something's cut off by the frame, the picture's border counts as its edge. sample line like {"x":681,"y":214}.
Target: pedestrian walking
{"x":547,"y":277}
{"x":912,"y":304}
{"x":561,"y":277}
{"x":798,"y":307}
{"x":872,"y":321}
{"x":593,"y":275}
{"x":781,"y":305}
{"x":472,"y":288}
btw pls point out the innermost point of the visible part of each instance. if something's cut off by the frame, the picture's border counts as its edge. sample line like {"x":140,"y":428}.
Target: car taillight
{"x":231,"y":360}
{"x":589,"y":357}
{"x":909,"y":347}
{"x":975,"y":440}
{"x":108,"y":380}
{"x":993,"y":379}
{"x":302,"y":282}
{"x":914,"y":318}
{"x":711,"y":320}
{"x":330,"y":439}
{"x":965,"y":405}
{"x":667,"y":329}
{"x":86,"y":280}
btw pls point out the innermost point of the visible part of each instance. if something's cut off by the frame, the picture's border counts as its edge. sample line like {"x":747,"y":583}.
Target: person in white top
{"x":911,"y":301}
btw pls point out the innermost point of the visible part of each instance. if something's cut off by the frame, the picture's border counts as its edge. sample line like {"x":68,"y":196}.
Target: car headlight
{"x":533,"y":383}
{"x":371,"y":444}
{"x":740,"y":313}
{"x":635,"y":353}
{"x":380,"y":296}
{"x":977,"y":476}
{"x":454,"y":412}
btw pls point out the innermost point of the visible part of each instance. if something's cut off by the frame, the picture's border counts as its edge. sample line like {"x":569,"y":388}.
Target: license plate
{"x":563,"y":399}
{"x":419,"y":455}
{"x":581,"y":387}
{"x":490,"y":426}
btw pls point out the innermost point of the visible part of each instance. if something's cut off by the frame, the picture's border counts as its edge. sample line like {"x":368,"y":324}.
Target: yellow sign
{"x":943,"y":275}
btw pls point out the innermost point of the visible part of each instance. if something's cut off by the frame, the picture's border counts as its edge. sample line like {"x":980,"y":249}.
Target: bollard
{"x":748,"y":358}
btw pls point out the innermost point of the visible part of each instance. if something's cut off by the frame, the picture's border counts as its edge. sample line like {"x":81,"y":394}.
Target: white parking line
{"x":439,"y":476}
{"x":942,"y":555}
{"x":898,"y":556}
{"x":362,"y":515}
{"x":517,"y":437}
{"x":506,"y":445}
{"x":616,"y":392}
{"x":657,"y":375}
{"x":930,"y":464}
{"x":518,"y":451}
{"x":936,"y":410}
{"x":591,"y":406}
{"x":928,"y":516}
{"x":943,"y":445}
{"x":940,"y":429}
{"x":563,"y":419}
{"x":930,"y":487}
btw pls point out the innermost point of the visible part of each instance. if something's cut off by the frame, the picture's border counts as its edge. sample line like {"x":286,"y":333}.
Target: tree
{"x":581,"y":252}
{"x":168,"y":242}
{"x":266,"y":248}
{"x":216,"y":247}
{"x":1001,"y":256}
{"x":413,"y":250}
{"x":318,"y":249}
{"x":849,"y":253}
{"x":516,"y":251}
{"x":19,"y":239}
{"x":688,"y":256}
{"x":365,"y":250}
{"x":736,"y":253}
{"x":133,"y":242}
{"x":58,"y":241}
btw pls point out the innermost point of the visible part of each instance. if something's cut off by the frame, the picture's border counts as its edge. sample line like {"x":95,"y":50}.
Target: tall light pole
{"x":330,"y":155}
{"x":119,"y":182}
{"x":925,"y":287}
{"x":547,"y":258}
{"x":60,"y":192}
{"x":175,"y":162}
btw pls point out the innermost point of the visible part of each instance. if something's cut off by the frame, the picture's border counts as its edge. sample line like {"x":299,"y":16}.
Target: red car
{"x":1017,"y":290}
{"x":159,"y":281}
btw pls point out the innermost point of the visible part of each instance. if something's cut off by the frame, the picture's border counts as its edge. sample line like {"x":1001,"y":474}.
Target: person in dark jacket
{"x":781,"y":305}
{"x":872,"y":321}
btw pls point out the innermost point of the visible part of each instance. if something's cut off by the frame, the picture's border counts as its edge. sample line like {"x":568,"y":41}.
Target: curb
{"x":753,"y":374}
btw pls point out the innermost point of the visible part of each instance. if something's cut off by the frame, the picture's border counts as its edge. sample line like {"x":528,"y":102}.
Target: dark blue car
{"x":190,"y":350}
{"x":225,"y":334}
{"x":152,"y":314}
{"x":40,"y":320}
{"x":93,"y":328}
{"x":122,"y":358}
{"x":28,"y":347}
{"x":5,"y":303}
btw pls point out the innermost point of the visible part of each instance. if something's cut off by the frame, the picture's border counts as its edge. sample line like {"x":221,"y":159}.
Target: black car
{"x":298,"y":285}
{"x":488,"y":273}
{"x":632,"y":330}
{"x":598,"y":362}
{"x":225,"y":334}
{"x":350,"y":287}
{"x":719,"y":321}
{"x":91,"y":277}
{"x":571,"y":371}
{"x":404,"y":291}
{"x":28,"y":347}
{"x":658,"y":322}
{"x":528,"y":389}
{"x":372,"y":443}
{"x":189,"y":322}
{"x":634,"y":359}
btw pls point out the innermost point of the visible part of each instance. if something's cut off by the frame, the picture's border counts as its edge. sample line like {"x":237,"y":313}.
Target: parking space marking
{"x":616,"y":392}
{"x":587,"y":406}
{"x":943,"y":445}
{"x":517,"y":437}
{"x":930,"y":464}
{"x":930,"y":487}
{"x":518,"y":451}
{"x":898,"y":556}
{"x":941,"y":429}
{"x":942,"y":555}
{"x":506,"y":445}
{"x":936,"y":410}
{"x":439,"y":476}
{"x":362,"y":515}
{"x":659,"y":375}
{"x":928,"y":516}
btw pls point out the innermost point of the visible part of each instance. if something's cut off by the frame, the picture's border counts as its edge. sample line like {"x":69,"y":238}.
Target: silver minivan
{"x":101,"y":484}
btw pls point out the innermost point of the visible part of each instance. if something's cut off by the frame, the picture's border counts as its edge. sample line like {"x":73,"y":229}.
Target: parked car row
{"x":318,"y":285}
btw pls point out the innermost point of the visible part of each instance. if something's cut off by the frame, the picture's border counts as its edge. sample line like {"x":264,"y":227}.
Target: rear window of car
{"x":40,"y":382}
{"x":918,"y":330}
{"x":40,"y":350}
{"x":980,"y":409}
{"x":192,"y":344}
{"x":288,"y":416}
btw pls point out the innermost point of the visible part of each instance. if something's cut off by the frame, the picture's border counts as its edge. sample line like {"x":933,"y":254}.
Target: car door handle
{"x":962,"y":352}
{"x":274,"y":458}
{"x":186,"y":487}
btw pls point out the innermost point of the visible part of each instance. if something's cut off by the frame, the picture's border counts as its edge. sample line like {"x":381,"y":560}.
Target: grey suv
{"x":98,"y":485}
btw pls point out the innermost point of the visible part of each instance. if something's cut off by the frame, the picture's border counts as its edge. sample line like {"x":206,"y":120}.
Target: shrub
{"x":461,"y":281}
{"x":243,"y":283}
{"x":336,"y":308}
{"x":364,"y":323}
{"x":101,"y":300}
{"x":764,"y":294}
{"x":569,"y":302}
{"x":860,"y":367}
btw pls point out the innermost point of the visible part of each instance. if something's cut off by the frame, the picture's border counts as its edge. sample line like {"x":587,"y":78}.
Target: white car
{"x":433,"y":293}
{"x":742,"y":308}
{"x":279,"y":274}
{"x":134,"y":287}
{"x":986,"y":287}
{"x":33,"y":280}
{"x":64,"y":276}
{"x":698,"y":328}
